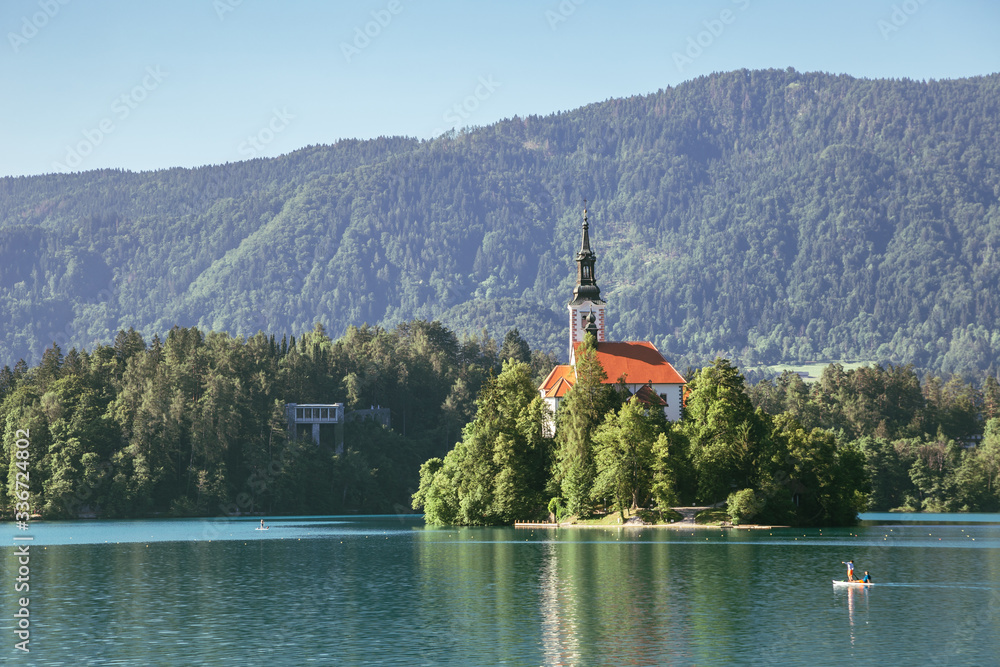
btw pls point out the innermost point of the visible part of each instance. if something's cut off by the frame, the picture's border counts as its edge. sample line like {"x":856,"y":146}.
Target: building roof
{"x":559,"y":381}
{"x":647,"y":396}
{"x":637,"y":362}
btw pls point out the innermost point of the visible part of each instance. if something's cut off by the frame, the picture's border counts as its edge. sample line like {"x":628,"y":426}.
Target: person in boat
{"x":850,"y":569}
{"x":262,"y":524}
{"x":867,"y":579}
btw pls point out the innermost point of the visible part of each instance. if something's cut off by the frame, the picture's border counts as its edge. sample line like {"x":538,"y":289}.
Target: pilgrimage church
{"x":637,"y":365}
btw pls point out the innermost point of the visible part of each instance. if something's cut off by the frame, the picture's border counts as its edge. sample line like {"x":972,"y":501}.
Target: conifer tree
{"x":726,"y":434}
{"x":623,"y":452}
{"x":497,"y":472}
{"x":514,"y":347}
{"x":581,"y":411}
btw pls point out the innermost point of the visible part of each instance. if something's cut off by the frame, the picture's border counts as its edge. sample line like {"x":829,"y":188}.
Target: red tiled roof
{"x":559,"y":381}
{"x":638,"y":362}
{"x":558,"y":391}
{"x":648,"y":396}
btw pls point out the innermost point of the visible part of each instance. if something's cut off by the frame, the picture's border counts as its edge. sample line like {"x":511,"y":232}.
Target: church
{"x":636,"y":365}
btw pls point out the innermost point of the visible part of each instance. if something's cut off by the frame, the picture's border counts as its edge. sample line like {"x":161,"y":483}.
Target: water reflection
{"x":559,"y":632}
{"x":384,"y":593}
{"x":853,"y":591}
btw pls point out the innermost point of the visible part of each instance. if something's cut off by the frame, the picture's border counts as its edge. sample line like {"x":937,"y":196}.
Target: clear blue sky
{"x":149,"y":84}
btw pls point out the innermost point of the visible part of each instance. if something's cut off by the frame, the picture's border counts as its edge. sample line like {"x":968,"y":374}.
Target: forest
{"x":761,"y":216}
{"x":194,"y":425}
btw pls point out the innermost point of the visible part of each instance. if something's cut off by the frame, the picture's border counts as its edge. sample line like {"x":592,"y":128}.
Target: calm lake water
{"x":387,"y":590}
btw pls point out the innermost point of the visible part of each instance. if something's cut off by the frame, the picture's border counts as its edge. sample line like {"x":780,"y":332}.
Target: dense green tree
{"x":786,"y":393}
{"x":991,"y":398}
{"x":624,"y":455}
{"x":744,"y":505}
{"x":438,"y":493}
{"x":917,"y":437}
{"x":25,"y":420}
{"x":888,"y":468}
{"x":827,"y":480}
{"x":6,"y":381}
{"x":989,"y":456}
{"x":514,"y":347}
{"x":498,"y":471}
{"x":673,"y":476}
{"x":728,"y":438}
{"x":953,"y":407}
{"x":580,"y":412}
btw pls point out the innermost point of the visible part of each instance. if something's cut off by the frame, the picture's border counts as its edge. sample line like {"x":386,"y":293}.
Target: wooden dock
{"x":535,"y":524}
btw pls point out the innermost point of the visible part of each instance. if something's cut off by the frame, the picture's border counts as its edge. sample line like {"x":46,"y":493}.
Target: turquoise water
{"x":387,"y":590}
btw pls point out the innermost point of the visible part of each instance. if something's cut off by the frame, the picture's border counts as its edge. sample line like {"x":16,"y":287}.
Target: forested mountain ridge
{"x":764,"y":215}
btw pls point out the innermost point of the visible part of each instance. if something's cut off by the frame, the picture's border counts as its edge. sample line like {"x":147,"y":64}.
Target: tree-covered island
{"x":778,"y":452}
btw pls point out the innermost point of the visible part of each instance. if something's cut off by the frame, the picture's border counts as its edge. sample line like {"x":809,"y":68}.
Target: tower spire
{"x":586,"y":310}
{"x":585,"y":246}
{"x":586,"y":283}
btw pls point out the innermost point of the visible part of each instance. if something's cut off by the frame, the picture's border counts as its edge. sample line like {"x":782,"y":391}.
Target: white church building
{"x":637,"y":365}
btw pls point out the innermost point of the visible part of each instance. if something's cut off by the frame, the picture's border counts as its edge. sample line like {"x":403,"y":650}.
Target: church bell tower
{"x":586,"y":310}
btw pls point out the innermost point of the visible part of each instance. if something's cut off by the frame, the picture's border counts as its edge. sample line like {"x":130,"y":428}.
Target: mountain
{"x":770,"y":216}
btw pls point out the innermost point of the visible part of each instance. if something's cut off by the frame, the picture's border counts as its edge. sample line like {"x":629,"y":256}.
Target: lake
{"x":390,"y":591}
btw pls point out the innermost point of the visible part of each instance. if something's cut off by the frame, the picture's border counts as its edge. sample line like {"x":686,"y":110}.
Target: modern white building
{"x":312,"y":420}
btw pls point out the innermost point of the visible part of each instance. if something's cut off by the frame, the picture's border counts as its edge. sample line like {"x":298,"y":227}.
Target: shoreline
{"x":688,"y":514}
{"x":678,"y":525}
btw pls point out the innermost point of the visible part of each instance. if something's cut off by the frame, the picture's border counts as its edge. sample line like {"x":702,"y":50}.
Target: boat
{"x":840,"y":582}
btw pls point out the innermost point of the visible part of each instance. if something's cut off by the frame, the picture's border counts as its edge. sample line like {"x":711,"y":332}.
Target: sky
{"x":154,"y":84}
